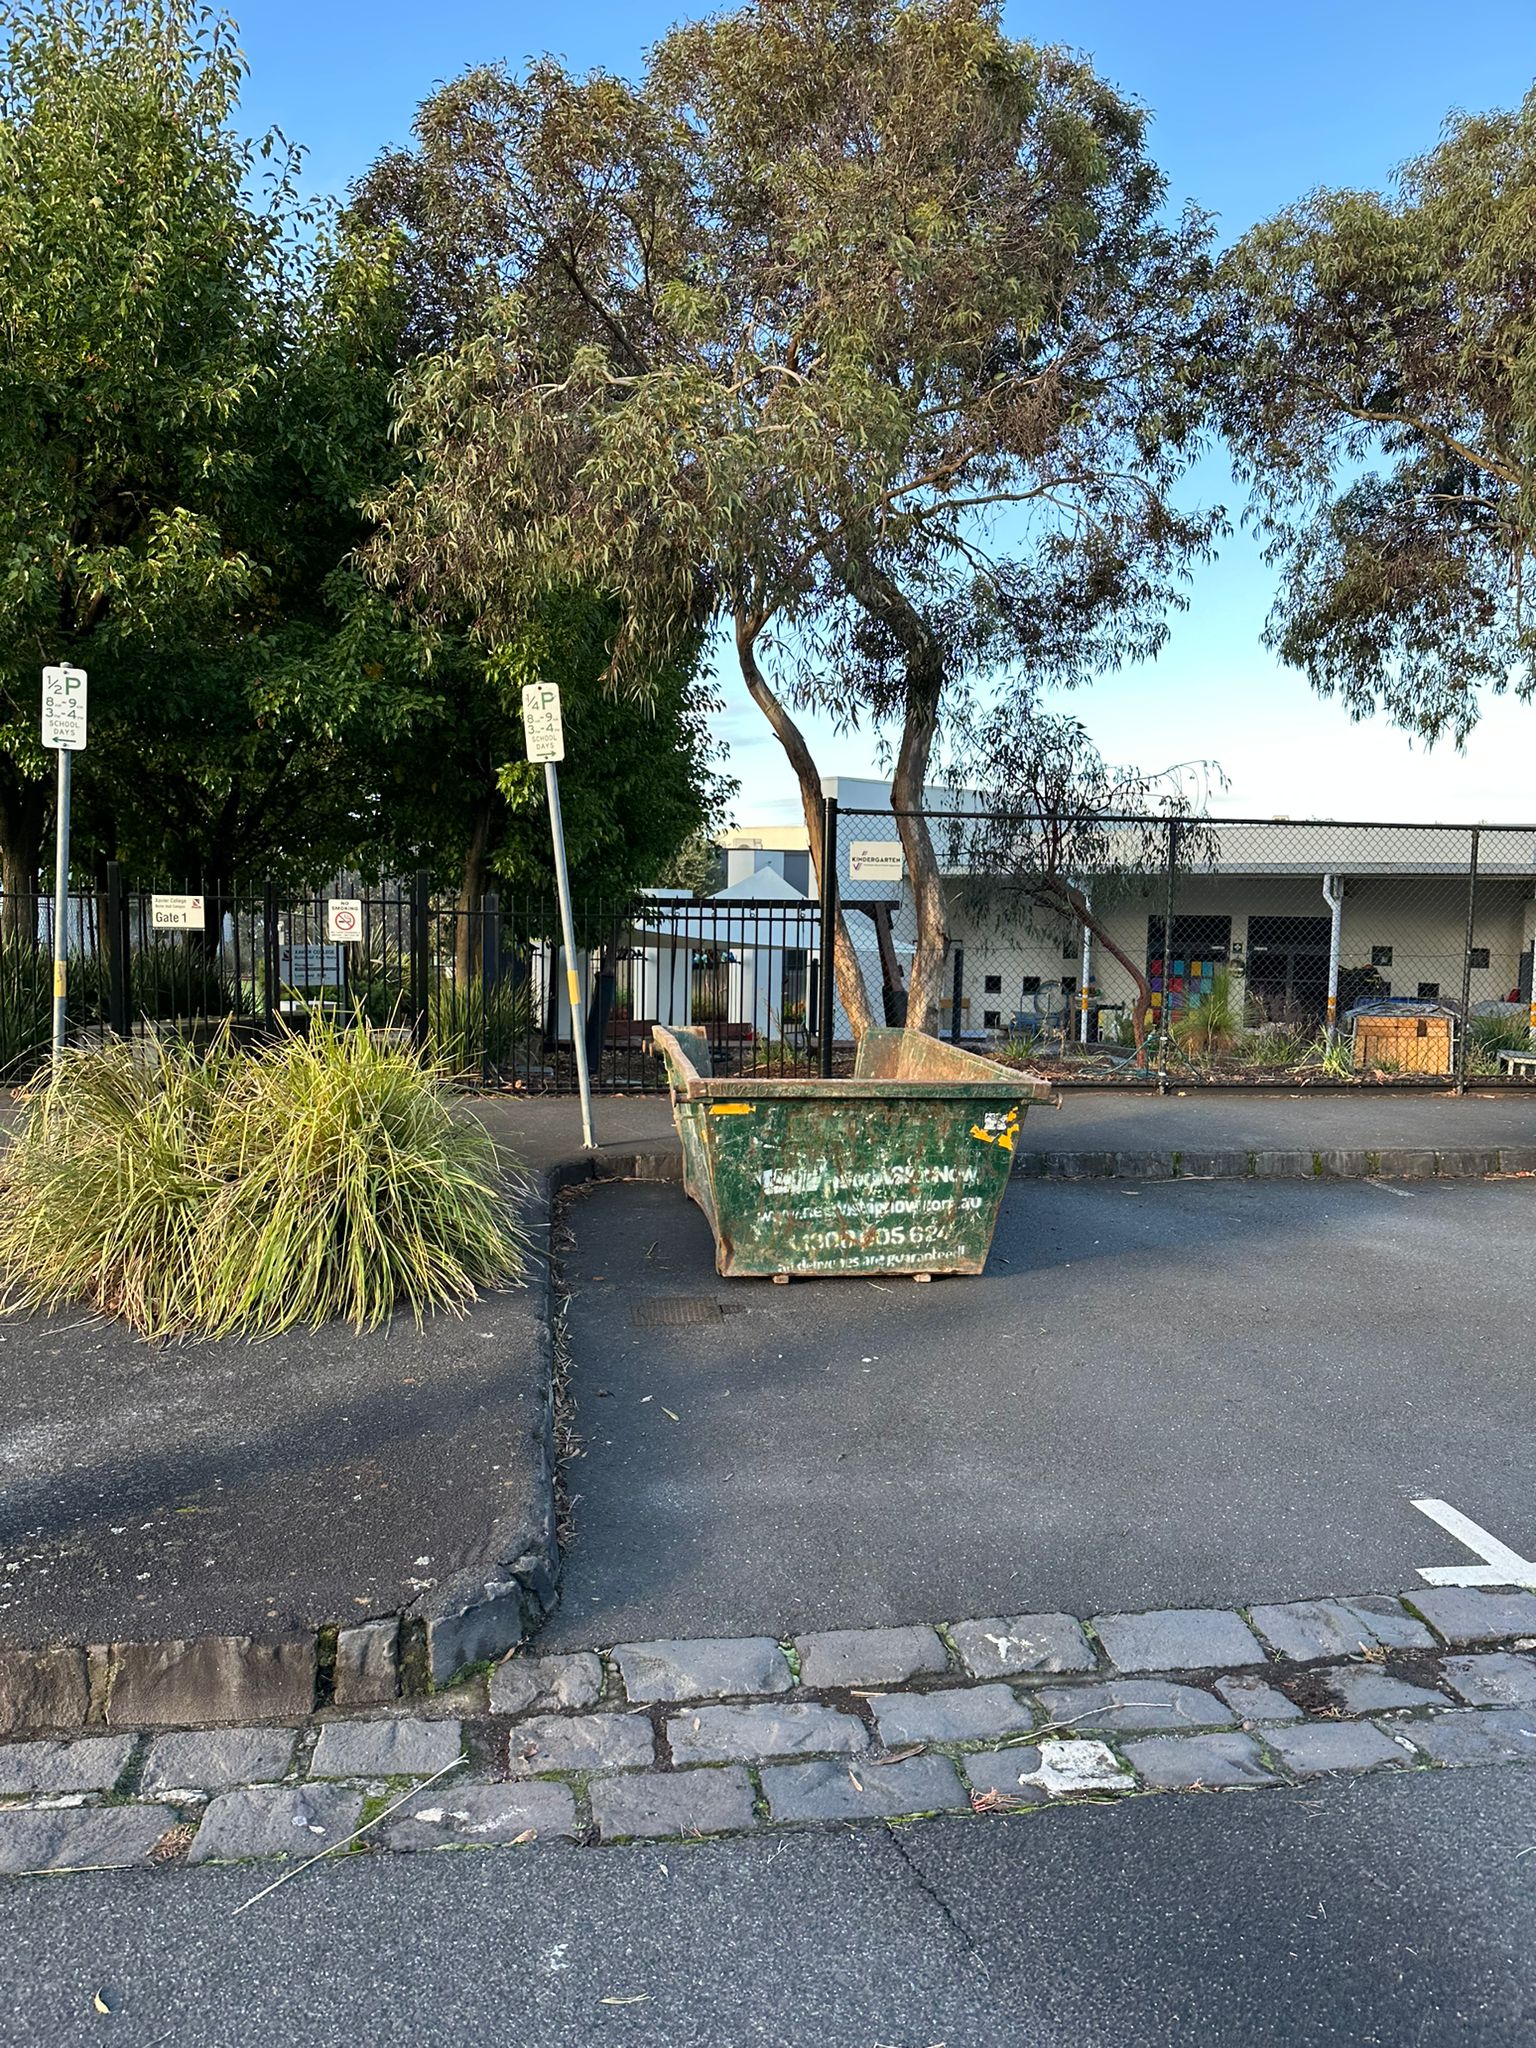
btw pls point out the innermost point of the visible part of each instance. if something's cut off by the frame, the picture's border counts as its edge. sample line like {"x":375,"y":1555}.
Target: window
{"x":1030,"y":986}
{"x":1428,"y":991}
{"x":1069,"y":949}
{"x":993,"y":985}
{"x":1479,"y":956}
{"x":1381,"y":956}
{"x":1069,"y":984}
{"x":992,"y":1020}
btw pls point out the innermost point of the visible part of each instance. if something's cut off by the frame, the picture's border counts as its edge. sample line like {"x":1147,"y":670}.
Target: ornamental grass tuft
{"x":222,"y":1192}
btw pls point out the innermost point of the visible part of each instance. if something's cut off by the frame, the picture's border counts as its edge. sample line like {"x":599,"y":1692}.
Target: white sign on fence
{"x":875,"y":860}
{"x":543,"y":728}
{"x":344,"y":920}
{"x":176,"y":913}
{"x":64,"y":709}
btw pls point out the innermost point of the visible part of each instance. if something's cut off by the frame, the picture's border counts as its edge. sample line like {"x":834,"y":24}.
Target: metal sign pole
{"x":61,"y":907}
{"x":64,"y":730}
{"x":572,"y":978}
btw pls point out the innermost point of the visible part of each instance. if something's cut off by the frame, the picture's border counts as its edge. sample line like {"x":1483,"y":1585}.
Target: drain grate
{"x":671,"y":1312}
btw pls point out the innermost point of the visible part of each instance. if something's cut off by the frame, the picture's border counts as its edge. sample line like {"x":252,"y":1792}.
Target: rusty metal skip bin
{"x":900,"y":1169}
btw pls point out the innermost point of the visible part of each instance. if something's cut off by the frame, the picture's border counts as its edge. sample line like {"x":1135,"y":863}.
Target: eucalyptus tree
{"x":1376,"y":358}
{"x":856,"y":328}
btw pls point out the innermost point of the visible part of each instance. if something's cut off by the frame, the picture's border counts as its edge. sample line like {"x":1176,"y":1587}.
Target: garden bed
{"x":271,"y":1494}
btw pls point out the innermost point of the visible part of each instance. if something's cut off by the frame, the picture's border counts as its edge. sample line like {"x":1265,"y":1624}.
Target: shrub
{"x":26,"y":1008}
{"x":1211,"y":1023}
{"x":226,"y":1192}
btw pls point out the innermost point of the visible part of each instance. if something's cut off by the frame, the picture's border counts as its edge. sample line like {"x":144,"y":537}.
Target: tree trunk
{"x":1077,"y":902}
{"x":923,"y":663}
{"x":851,"y":991}
{"x":467,"y":936}
{"x":23,"y":814}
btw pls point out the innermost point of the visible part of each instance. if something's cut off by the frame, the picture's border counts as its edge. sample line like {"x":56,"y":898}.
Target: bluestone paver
{"x":581,"y":1742}
{"x":1335,"y":1746}
{"x":1465,"y":1614}
{"x":1022,"y":1642}
{"x":835,"y":1790}
{"x":542,"y":1685}
{"x":79,"y":1837}
{"x":212,"y":1759}
{"x":1048,"y":1770}
{"x":1133,"y":1703}
{"x":1390,"y":1622}
{"x":1305,"y":1629}
{"x":959,"y":1714}
{"x":463,"y":1814}
{"x":1177,"y":1639}
{"x":654,"y":1803}
{"x":1252,"y":1699}
{"x":868,"y":1656}
{"x":1472,"y":1735}
{"x":718,"y":1668}
{"x":1365,"y":1689}
{"x":742,"y":1734}
{"x":92,"y":1763}
{"x":406,"y":1747}
{"x":276,"y":1820}
{"x":1171,"y":1762}
{"x":1495,"y":1679}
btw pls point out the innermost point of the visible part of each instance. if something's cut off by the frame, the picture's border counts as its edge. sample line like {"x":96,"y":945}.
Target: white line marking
{"x":1501,"y":1566}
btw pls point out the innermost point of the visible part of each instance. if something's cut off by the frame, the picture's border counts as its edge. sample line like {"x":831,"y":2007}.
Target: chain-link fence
{"x":1182,"y":950}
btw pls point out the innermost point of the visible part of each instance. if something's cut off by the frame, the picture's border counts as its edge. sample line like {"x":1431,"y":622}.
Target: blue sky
{"x":1253,"y":105}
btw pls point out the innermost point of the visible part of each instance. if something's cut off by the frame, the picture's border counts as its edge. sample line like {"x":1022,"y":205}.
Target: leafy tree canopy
{"x":773,"y":339}
{"x":1376,"y":356}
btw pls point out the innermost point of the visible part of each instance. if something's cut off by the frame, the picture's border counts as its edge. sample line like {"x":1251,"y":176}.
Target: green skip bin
{"x":899,"y":1170}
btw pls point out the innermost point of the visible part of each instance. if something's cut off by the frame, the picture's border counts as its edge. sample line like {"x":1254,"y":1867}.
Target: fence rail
{"x":482,"y":987}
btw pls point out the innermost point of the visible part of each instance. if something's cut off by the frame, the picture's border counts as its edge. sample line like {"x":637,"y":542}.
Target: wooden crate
{"x":1413,"y":1045}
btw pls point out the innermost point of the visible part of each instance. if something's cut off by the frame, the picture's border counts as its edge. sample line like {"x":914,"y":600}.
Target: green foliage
{"x":1272,"y":1045}
{"x":232,"y":1193}
{"x":769,"y":338}
{"x":193,"y":396}
{"x":26,"y":1008}
{"x":1374,"y":355}
{"x":1212,"y":1023}
{"x":1488,"y":1036}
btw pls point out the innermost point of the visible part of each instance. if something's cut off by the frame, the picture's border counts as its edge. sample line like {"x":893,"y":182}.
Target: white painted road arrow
{"x":1502,"y":1566}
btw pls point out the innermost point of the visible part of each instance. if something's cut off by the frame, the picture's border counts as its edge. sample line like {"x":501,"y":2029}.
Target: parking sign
{"x":64,"y":709}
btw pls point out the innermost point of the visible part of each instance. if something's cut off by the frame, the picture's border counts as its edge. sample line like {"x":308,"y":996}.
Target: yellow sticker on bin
{"x":730,"y":1109}
{"x":996,"y":1128}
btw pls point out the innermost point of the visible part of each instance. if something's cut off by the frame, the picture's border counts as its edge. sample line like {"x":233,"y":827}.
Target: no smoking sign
{"x":343,"y":920}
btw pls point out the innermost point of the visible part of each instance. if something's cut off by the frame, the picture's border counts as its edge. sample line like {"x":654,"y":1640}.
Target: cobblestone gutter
{"x":726,"y":1737}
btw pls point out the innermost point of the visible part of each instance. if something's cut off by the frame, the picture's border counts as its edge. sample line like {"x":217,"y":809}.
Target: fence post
{"x":117,"y":952}
{"x":1466,"y":968}
{"x":490,"y":975}
{"x":420,"y":888}
{"x":955,"y":993}
{"x":1165,"y":1008}
{"x":828,"y":968}
{"x":269,"y":955}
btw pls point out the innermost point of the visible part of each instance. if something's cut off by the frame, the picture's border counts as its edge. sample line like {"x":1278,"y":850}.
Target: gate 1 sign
{"x":64,"y":709}
{"x":543,"y":728}
{"x":176,"y":913}
{"x":344,"y":920}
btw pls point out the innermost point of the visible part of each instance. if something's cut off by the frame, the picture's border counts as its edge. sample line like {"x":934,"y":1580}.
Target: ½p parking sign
{"x":543,"y":728}
{"x":64,"y":708}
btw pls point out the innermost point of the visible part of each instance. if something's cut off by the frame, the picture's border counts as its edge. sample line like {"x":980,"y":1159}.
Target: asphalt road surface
{"x":1182,"y":1393}
{"x":1392,"y":1912}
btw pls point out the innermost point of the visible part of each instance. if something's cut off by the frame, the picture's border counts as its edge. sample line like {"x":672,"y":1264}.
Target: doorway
{"x":1288,"y":966}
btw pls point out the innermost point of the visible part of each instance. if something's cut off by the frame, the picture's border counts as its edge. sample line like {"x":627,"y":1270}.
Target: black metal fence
{"x":1182,"y":950}
{"x":483,"y":988}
